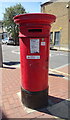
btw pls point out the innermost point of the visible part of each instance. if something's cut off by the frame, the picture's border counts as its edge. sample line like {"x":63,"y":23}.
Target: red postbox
{"x":34,"y":56}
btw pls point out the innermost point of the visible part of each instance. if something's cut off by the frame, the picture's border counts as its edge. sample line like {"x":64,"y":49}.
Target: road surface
{"x":11,"y":55}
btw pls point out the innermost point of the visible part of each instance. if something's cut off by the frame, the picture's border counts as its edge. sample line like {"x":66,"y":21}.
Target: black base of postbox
{"x":34,"y":100}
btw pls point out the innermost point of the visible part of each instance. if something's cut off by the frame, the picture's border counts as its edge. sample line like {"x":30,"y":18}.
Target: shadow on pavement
{"x":57,"y":107}
{"x":54,"y":100}
{"x":11,"y":63}
{"x":9,"y":67}
{"x":57,"y":75}
{"x":3,"y":116}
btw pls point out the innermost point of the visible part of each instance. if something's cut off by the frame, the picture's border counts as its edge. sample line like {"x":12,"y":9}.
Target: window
{"x":51,"y":37}
{"x":57,"y":38}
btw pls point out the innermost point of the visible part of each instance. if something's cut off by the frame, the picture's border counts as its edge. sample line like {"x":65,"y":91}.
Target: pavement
{"x":59,"y":95}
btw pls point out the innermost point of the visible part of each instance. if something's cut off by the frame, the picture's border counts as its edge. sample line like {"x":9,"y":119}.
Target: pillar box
{"x":34,"y":39}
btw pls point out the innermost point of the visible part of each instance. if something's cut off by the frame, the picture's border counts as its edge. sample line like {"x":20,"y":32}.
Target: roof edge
{"x":46,"y":3}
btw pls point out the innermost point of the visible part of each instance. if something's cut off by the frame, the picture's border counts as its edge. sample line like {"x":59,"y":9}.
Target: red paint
{"x":34,"y":72}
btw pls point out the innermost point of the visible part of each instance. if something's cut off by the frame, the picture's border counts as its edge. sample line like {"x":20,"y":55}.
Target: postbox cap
{"x":34,"y":18}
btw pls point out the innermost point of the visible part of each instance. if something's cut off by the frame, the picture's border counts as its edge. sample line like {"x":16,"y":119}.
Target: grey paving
{"x":61,"y":109}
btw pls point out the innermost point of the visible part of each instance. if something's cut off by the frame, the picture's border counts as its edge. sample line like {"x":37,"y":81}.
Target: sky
{"x":30,"y":7}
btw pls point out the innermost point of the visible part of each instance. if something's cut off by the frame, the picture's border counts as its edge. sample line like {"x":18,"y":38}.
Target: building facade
{"x":3,"y":32}
{"x":60,"y":30}
{"x":0,"y":30}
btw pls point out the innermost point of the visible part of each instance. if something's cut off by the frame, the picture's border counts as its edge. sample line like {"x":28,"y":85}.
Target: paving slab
{"x":60,"y":110}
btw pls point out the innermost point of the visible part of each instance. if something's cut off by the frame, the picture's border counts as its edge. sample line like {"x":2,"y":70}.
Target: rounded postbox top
{"x":35,"y":18}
